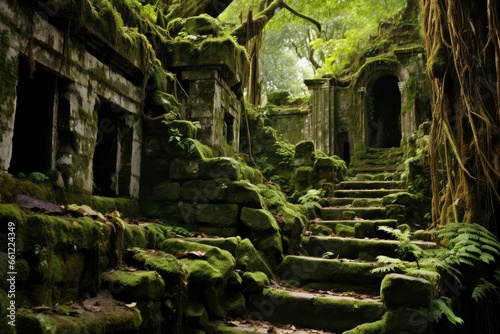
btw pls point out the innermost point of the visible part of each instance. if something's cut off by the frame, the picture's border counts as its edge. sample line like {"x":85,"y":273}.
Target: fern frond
{"x":394,"y":267}
{"x":440,"y":307}
{"x":483,"y":289}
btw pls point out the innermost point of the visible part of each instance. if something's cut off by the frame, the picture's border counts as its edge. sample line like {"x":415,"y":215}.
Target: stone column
{"x":408,"y":119}
{"x":322,"y":119}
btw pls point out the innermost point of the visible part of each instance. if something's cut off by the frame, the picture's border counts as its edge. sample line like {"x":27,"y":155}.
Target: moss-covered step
{"x":371,"y":185}
{"x":363,"y":228}
{"x":302,"y":270}
{"x":313,"y":310}
{"x":334,"y":213}
{"x":352,"y":201}
{"x":363,"y":249}
{"x":106,"y":315}
{"x":365,"y":193}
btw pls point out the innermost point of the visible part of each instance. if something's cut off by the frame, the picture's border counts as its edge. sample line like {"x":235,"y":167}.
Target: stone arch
{"x":379,"y":99}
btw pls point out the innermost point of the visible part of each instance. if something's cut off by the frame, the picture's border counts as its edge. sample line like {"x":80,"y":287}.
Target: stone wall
{"x":76,"y":83}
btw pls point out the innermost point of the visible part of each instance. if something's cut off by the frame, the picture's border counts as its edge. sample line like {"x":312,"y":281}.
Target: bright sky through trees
{"x":293,"y":48}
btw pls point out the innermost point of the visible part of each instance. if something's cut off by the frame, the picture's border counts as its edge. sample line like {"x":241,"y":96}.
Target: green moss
{"x":202,"y":25}
{"x":258,"y":221}
{"x":216,"y":168}
{"x":217,"y":215}
{"x":255,"y":282}
{"x":235,"y":304}
{"x":134,"y":236}
{"x":253,"y":175}
{"x":244,"y":193}
{"x":249,"y":259}
{"x":126,"y":206}
{"x":217,"y":263}
{"x":304,"y":178}
{"x":169,"y":268}
{"x":134,"y":285}
{"x":344,"y":230}
{"x":304,"y":154}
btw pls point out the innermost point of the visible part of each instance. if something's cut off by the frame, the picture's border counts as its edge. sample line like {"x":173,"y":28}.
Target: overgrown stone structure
{"x":381,"y":101}
{"x":132,"y":211}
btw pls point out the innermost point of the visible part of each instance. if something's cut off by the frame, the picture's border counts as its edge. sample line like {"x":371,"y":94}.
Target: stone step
{"x":110,"y":316}
{"x":374,"y":169}
{"x":314,"y":310}
{"x":363,"y":228}
{"x":378,"y":177}
{"x":352,"y":274}
{"x":336,"y":213}
{"x":352,"y":201}
{"x":371,"y":185}
{"x":362,"y":249}
{"x":365,"y":193}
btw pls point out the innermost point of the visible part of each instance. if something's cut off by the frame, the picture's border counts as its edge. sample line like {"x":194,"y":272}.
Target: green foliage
{"x":311,"y":198}
{"x":461,"y":244}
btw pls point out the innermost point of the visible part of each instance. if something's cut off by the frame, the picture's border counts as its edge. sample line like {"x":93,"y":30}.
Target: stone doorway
{"x":113,"y":151}
{"x":383,"y":113}
{"x":32,"y":143}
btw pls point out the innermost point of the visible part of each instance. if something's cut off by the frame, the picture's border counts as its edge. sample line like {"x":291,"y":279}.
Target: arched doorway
{"x":383,"y":112}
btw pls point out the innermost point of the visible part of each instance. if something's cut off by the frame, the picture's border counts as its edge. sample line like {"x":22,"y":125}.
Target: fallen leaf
{"x":232,"y":323}
{"x":131,"y":305}
{"x":272,"y":329}
{"x":39,"y":205}
{"x":191,"y":255}
{"x":41,"y":308}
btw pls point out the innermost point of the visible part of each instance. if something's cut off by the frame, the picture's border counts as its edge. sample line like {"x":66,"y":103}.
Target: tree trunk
{"x":463,"y":54}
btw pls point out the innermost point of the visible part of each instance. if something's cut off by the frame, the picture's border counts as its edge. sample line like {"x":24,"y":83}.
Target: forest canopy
{"x":293,"y":49}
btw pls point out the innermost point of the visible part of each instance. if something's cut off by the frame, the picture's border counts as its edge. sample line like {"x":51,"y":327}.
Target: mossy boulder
{"x":212,"y":267}
{"x":235,"y":304}
{"x":405,"y":291}
{"x":249,"y":259}
{"x":166,"y":265}
{"x":304,"y":154}
{"x":245,"y":194}
{"x":291,"y":228}
{"x":303,"y":178}
{"x":331,"y":169}
{"x":134,"y":236}
{"x":279,"y":98}
{"x":217,"y":168}
{"x":271,"y":248}
{"x":259,"y":222}
{"x":134,"y":285}
{"x":202,"y":191}
{"x":255,"y":282}
{"x":201,"y":25}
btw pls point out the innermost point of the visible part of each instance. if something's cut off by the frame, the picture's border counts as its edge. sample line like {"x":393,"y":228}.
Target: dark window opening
{"x":229,"y":128}
{"x":112,"y":155}
{"x":384,"y":109}
{"x":32,"y":144}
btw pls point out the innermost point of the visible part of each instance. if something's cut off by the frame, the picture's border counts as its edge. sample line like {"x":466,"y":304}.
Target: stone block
{"x":244,"y":193}
{"x":255,"y":282}
{"x":258,"y":221}
{"x":217,"y":215}
{"x":184,"y":169}
{"x":399,"y":290}
{"x":217,"y":168}
{"x":203,"y":191}
{"x":135,"y":285}
{"x":304,"y":154}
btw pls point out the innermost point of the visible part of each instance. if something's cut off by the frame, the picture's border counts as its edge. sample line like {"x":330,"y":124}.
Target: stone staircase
{"x":331,"y":287}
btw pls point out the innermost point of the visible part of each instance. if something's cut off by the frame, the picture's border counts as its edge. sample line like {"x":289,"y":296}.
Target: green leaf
{"x":442,"y":307}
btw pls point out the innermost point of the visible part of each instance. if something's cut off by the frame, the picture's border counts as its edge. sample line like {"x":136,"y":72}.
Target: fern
{"x":483,"y":289}
{"x":441,"y":307}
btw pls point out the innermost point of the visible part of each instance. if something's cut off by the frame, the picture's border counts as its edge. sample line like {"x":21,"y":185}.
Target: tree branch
{"x":249,"y":29}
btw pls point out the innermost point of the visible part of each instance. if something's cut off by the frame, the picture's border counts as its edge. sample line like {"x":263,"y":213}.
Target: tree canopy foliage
{"x":291,"y":42}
